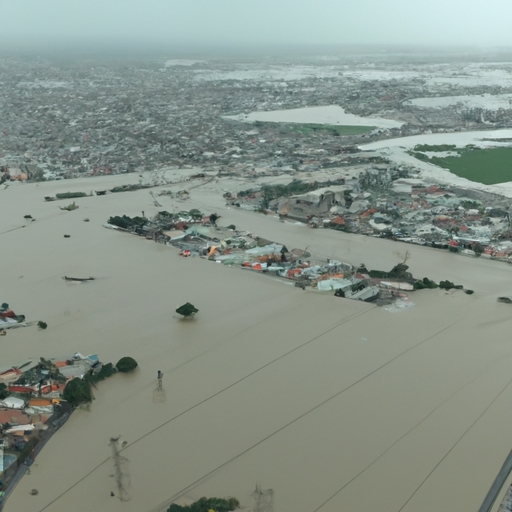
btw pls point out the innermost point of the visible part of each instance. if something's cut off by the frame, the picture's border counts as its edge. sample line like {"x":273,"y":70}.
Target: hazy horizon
{"x":31,"y":24}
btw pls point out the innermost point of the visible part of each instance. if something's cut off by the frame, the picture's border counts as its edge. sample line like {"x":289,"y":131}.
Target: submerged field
{"x":487,"y":166}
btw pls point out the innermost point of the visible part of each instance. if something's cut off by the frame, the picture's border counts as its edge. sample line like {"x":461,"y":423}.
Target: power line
{"x":321,"y":404}
{"x":487,"y":369}
{"x":456,"y":443}
{"x":337,"y":324}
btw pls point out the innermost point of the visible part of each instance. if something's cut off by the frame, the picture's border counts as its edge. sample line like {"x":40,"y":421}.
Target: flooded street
{"x":333,"y":404}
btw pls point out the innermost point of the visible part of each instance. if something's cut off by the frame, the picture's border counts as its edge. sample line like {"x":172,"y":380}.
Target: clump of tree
{"x":42,"y":325}
{"x":444,"y":285}
{"x":206,"y":505}
{"x":477,"y":249}
{"x":187,"y":310}
{"x":471,"y":204}
{"x":77,"y":392}
{"x":126,"y":364}
{"x":196,"y":214}
{"x":425,"y":283}
{"x":378,"y":274}
{"x":397,"y":272}
{"x":70,"y":195}
{"x":4,"y":393}
{"x":126,"y":222}
{"x":448,"y":285}
{"x":400,"y":272}
{"x":128,"y":188}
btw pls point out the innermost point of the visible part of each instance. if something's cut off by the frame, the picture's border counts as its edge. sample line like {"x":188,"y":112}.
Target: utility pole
{"x":263,"y":499}
{"x":159,"y":393}
{"x":121,"y":476}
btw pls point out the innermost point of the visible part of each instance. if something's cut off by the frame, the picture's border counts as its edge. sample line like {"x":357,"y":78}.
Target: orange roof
{"x":39,"y":401}
{"x":369,"y":212}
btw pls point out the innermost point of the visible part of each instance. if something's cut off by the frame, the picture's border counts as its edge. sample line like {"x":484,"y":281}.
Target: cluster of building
{"x":9,"y":319}
{"x":394,"y":202}
{"x":62,"y":120}
{"x":32,"y":406}
{"x":196,"y":235}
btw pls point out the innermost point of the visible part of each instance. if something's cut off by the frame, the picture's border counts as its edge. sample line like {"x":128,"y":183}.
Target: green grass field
{"x":308,"y":128}
{"x":487,"y":166}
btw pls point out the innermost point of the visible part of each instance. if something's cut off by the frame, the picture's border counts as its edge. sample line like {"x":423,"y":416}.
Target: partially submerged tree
{"x":187,"y":310}
{"x":478,"y":249}
{"x":126,"y":364}
{"x":107,"y":370}
{"x":77,"y":392}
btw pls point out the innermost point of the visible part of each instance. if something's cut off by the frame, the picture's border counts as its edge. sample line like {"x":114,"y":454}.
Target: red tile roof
{"x":14,"y":417}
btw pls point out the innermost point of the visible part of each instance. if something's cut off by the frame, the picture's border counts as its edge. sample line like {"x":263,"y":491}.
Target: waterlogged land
{"x":326,"y":115}
{"x":487,"y":166}
{"x":333,"y":404}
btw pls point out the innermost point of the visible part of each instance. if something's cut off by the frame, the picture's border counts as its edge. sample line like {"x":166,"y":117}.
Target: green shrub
{"x":42,"y":325}
{"x":126,"y":364}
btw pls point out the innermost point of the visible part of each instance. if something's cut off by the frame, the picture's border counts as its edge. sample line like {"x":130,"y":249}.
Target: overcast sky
{"x":249,"y":22}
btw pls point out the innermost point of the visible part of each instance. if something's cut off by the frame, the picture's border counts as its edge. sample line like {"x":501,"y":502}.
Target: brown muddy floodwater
{"x":334,"y":405}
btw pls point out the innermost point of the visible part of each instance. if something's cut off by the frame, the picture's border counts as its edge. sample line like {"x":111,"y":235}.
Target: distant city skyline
{"x":33,"y":23}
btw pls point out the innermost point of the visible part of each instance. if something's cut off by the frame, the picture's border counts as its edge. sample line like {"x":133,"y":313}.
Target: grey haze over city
{"x":36,"y":23}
